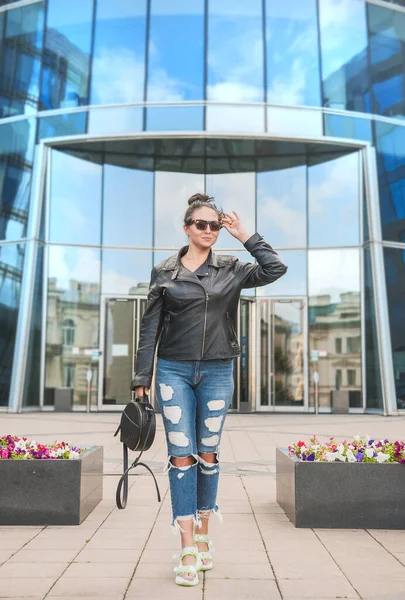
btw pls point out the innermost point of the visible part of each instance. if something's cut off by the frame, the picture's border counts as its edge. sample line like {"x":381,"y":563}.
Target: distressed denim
{"x":194,"y":397}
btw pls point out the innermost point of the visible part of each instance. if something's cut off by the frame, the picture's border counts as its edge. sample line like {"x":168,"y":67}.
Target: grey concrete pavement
{"x":116,"y":555}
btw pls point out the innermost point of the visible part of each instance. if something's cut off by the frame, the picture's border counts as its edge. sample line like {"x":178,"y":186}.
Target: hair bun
{"x":199,"y":198}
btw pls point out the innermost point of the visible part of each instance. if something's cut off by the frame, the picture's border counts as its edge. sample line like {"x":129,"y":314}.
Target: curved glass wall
{"x":334,"y":69}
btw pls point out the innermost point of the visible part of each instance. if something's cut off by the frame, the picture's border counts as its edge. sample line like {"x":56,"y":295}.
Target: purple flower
{"x":370,"y":442}
{"x":359,"y":456}
{"x":311,"y":456}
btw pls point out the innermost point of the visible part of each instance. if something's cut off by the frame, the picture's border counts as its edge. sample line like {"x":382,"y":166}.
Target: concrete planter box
{"x":341,"y":495}
{"x":51,"y":492}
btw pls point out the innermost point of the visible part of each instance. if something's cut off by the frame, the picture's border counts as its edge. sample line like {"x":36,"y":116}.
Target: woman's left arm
{"x":269,"y":267}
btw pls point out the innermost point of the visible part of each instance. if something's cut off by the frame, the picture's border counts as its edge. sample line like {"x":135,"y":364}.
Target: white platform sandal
{"x":207,"y":554}
{"x":187,"y":569}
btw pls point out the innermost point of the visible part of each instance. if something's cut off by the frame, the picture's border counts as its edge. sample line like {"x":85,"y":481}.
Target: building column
{"x":28,"y":280}
{"x":379,"y":283}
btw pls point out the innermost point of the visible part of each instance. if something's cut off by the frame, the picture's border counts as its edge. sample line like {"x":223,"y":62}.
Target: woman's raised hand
{"x":235,"y":227}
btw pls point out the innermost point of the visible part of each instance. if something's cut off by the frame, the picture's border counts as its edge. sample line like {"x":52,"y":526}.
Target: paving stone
{"x":46,"y":556}
{"x":240,"y":571}
{"x":162,"y":589}
{"x":316,"y":588}
{"x":241,"y":589}
{"x":34,"y":570}
{"x":27,"y":587}
{"x":90,"y":586}
{"x":94,"y":569}
{"x":105,"y":556}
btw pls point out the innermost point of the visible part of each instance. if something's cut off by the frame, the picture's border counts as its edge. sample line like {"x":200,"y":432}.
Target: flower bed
{"x":48,"y":484}
{"x":364,"y":450}
{"x":15,"y":448}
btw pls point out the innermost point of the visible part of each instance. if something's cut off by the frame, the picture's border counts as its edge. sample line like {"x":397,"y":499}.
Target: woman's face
{"x":207,"y":237}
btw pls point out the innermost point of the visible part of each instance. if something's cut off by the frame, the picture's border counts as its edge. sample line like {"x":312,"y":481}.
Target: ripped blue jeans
{"x":194,"y":397}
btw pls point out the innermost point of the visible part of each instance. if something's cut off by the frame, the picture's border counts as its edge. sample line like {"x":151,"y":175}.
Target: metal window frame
{"x":41,"y":167}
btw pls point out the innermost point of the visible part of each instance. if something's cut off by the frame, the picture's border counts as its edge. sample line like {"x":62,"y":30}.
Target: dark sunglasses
{"x":201,"y":224}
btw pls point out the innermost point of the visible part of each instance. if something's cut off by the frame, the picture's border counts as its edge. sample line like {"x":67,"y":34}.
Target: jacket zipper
{"x":206,"y":309}
{"x":140,"y":414}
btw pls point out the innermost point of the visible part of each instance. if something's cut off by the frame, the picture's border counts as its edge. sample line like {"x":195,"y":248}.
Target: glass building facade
{"x":292,"y":114}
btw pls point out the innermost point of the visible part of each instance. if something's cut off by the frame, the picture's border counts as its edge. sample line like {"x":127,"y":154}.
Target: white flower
{"x":53,"y":454}
{"x":369,"y":452}
{"x":350,"y":456}
{"x":341,"y":448}
{"x":303,"y":449}
{"x":33,"y":445}
{"x":368,"y":438}
{"x":351,"y":447}
{"x":381,"y":457}
{"x":315,"y":447}
{"x":357,"y":438}
{"x":330,"y":456}
{"x":340,"y":457}
{"x":73,"y":454}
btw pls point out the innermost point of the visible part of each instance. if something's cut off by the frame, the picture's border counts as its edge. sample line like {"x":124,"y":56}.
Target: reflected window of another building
{"x":394,"y":259}
{"x":353,"y":128}
{"x":343,"y":32}
{"x":387,"y":56}
{"x":73,"y":315}
{"x":333,"y":202}
{"x":125,"y":119}
{"x":174,"y":118}
{"x":75,"y":200}
{"x":390,"y":143}
{"x":294,"y":282}
{"x":11,"y":267}
{"x":126,"y":272}
{"x":234,"y":192}
{"x":16,"y":160}
{"x":176,"y":51}
{"x":292,"y":53}
{"x":282,"y":207}
{"x":334,"y":317}
{"x":127,"y":207}
{"x":20,"y":59}
{"x":62,"y":125}
{"x":65,"y":70}
{"x":118,"y":73}
{"x":235,"y":59}
{"x":172,"y":191}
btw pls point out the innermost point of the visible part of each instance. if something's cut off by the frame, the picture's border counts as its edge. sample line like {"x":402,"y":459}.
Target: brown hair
{"x":199,"y":201}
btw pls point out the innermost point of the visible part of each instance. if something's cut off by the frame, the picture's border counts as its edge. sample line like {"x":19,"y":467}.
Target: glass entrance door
{"x":282,"y":357}
{"x":121,"y":321}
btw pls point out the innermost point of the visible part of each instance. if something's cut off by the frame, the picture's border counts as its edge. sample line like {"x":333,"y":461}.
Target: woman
{"x":192,"y":305}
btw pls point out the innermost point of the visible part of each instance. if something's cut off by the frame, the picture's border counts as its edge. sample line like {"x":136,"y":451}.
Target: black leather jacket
{"x":196,"y":321}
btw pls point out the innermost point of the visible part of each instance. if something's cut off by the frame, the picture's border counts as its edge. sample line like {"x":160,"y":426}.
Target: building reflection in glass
{"x":334,"y":325}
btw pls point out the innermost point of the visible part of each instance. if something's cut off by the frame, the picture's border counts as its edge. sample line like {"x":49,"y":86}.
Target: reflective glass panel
{"x":345,"y":77}
{"x":235,"y":118}
{"x":234,"y":192}
{"x":387,"y":48}
{"x":126,"y":272}
{"x":374,"y":397}
{"x":65,"y":70}
{"x":282,"y":207}
{"x":116,"y":120}
{"x":333,"y":202}
{"x":176,"y":51}
{"x":33,"y":371}
{"x":73,"y":315}
{"x":172,"y":191}
{"x":294,"y":282}
{"x":173,"y":118}
{"x":20,"y":59}
{"x":295,"y":122}
{"x":62,"y":125}
{"x":390,"y":142}
{"x":16,"y":159}
{"x":334,"y":323}
{"x":127,"y":207}
{"x":11,"y":266}
{"x":353,"y":128}
{"x":235,"y":51}
{"x":292,"y":53}
{"x":75,"y":200}
{"x":394,"y":259}
{"x":119,"y":52}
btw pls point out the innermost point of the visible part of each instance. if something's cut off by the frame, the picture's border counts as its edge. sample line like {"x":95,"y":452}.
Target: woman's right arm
{"x":149,"y":334}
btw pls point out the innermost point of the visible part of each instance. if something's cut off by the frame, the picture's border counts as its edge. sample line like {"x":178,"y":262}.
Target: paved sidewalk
{"x":259,"y":554}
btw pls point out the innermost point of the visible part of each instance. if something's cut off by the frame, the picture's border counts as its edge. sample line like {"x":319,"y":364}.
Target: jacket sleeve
{"x":150,"y":330}
{"x":268,"y":269}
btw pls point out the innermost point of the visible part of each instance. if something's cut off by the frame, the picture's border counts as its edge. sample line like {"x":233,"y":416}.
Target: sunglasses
{"x":201,"y":224}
